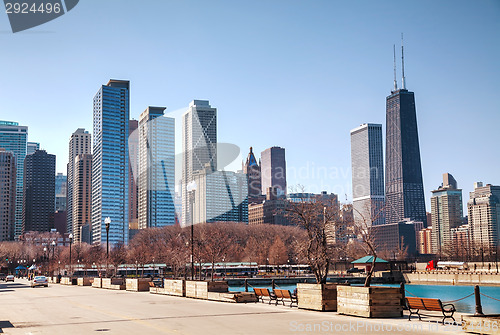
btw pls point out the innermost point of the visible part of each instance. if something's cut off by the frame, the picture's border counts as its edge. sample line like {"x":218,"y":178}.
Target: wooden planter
{"x":175,"y":287}
{"x":66,"y":281}
{"x":84,"y":281}
{"x":318,"y":297}
{"x":369,"y":302}
{"x":200,"y":289}
{"x":137,"y":284}
{"x":97,"y":283}
{"x":113,"y":283}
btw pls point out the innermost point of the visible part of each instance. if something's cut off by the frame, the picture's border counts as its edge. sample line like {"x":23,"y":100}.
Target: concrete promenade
{"x":452,"y":278}
{"x":73,"y":310}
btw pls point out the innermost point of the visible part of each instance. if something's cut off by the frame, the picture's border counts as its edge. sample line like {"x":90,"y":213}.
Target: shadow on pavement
{"x":13,"y":285}
{"x":5,"y":324}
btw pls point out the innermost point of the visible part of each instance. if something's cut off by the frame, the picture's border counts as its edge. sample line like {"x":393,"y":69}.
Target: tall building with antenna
{"x":404,"y":186}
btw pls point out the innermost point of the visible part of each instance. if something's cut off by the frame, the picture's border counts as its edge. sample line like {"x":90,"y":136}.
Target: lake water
{"x":443,"y":292}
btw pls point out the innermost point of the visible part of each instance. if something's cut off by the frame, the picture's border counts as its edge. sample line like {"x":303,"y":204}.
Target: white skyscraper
{"x":368,"y":173}
{"x":156,"y":177}
{"x":199,"y":146}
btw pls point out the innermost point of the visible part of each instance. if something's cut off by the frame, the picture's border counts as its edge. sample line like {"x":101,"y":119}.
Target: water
{"x":443,"y":292}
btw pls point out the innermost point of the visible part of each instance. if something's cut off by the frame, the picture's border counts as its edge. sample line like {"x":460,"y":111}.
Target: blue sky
{"x":296,"y":74}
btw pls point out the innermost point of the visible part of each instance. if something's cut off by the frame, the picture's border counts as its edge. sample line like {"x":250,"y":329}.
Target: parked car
{"x":9,"y":278}
{"x":40,"y":281}
{"x":355,"y":270}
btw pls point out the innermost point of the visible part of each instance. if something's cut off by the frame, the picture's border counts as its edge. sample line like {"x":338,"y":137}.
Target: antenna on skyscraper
{"x":395,"y":81}
{"x":403,"y":63}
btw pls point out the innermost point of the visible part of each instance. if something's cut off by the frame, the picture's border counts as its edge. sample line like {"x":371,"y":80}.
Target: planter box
{"x":55,"y":279}
{"x":200,"y":289}
{"x":113,"y":283}
{"x":488,"y":324}
{"x":157,"y":290}
{"x":175,"y":287}
{"x":318,"y":297}
{"x":138,"y":284}
{"x":369,"y":302}
{"x":84,"y":281}
{"x":97,"y":283}
{"x":66,"y":281}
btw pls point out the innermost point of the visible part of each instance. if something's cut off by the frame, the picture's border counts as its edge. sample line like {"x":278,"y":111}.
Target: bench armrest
{"x":449,"y":309}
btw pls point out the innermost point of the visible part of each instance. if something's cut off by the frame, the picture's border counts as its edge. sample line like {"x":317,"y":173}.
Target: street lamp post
{"x":191,"y":187}
{"x":70,"y":264}
{"x":53,"y":244}
{"x":107,"y":221}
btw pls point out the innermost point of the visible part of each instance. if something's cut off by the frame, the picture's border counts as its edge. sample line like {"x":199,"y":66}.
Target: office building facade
{"x":156,"y":180}
{"x":39,"y":192}
{"x":14,"y":138}
{"x":31,"y":147}
{"x":404,"y":186}
{"x":273,"y":169}
{"x":82,"y":197}
{"x":133,"y":148}
{"x":61,"y":192}
{"x":447,"y":213}
{"x":79,"y":144}
{"x":110,"y":163}
{"x":367,"y":162}
{"x":7,"y":195}
{"x":252,"y":169}
{"x":199,"y":148}
{"x":483,"y":209}
{"x":220,"y":196}
{"x":397,"y":238}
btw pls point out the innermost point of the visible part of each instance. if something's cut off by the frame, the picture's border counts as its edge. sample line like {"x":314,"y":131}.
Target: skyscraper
{"x":133,"y":148}
{"x":79,"y":144}
{"x":484,"y":216}
{"x":220,"y":196}
{"x":199,"y":147}
{"x":82,"y":196}
{"x":156,"y":169}
{"x":446,"y":208}
{"x":110,"y":162}
{"x":13,"y":138}
{"x":273,"y":169}
{"x":39,"y":191}
{"x":32,"y":147}
{"x":252,"y":170}
{"x":367,"y":161}
{"x":7,"y":195}
{"x":404,"y":186}
{"x":61,"y":192}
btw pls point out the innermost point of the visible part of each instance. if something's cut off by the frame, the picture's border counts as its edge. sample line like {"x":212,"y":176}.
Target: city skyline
{"x":436,"y":53}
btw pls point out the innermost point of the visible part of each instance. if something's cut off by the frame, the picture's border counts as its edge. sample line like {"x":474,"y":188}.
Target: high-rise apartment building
{"x":404,"y":188}
{"x":14,"y":138}
{"x":79,"y":144}
{"x":367,"y":161}
{"x":252,"y":169}
{"x":484,"y":216}
{"x":133,"y":153}
{"x":199,"y":148}
{"x":156,"y":169}
{"x":110,"y":162}
{"x":273,"y":169}
{"x":446,"y":208}
{"x":220,"y":196}
{"x":31,"y":147}
{"x":82,"y":196}
{"x":39,"y":191}
{"x":7,"y":195}
{"x":425,"y":241}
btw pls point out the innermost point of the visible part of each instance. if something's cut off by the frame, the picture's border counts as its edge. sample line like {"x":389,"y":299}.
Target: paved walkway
{"x":73,"y":310}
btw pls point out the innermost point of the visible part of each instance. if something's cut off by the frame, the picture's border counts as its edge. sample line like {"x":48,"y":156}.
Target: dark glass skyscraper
{"x":39,"y":191}
{"x":404,"y":189}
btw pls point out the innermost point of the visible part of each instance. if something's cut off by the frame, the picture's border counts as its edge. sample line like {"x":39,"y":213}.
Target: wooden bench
{"x":262,"y":293}
{"x":428,"y":304}
{"x":281,"y":295}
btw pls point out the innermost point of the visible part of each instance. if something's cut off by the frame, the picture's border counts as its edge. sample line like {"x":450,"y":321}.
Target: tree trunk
{"x":370,"y":273}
